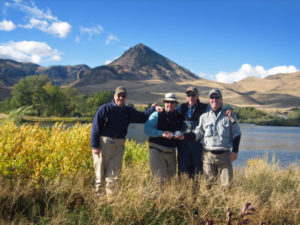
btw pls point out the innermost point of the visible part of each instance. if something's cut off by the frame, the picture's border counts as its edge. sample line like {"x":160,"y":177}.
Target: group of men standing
{"x":202,"y":134}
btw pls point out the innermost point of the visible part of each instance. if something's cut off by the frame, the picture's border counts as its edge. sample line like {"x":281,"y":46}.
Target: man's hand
{"x":96,"y":151}
{"x":180,"y":137}
{"x":154,"y":104}
{"x":233,"y":156}
{"x":159,"y":108}
{"x":167,"y":134}
{"x":229,"y":112}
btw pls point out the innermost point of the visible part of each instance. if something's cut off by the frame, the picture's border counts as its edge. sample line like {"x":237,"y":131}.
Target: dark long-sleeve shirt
{"x":118,"y":120}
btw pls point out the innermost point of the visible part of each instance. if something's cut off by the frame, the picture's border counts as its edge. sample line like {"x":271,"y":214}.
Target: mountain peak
{"x":150,"y":64}
{"x":139,"y":56}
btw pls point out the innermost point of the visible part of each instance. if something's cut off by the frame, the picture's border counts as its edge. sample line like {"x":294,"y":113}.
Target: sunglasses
{"x":190,"y":95}
{"x":122,"y":95}
{"x":170,"y":102}
{"x":214,"y":97}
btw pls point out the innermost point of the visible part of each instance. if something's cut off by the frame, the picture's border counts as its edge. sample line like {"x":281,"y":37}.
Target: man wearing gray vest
{"x":219,"y":134}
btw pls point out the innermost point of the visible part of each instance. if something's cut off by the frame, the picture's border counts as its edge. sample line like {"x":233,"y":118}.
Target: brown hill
{"x":148,"y":64}
{"x":149,"y":75}
{"x":11,"y":71}
{"x":136,"y":64}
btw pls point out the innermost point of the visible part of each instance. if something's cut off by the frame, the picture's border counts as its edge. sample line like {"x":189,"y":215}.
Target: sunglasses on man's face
{"x":190,"y":95}
{"x":171,"y":102}
{"x":214,"y":97}
{"x":122,"y":95}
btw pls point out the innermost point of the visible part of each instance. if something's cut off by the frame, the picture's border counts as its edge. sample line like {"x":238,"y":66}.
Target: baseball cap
{"x":120,"y":89}
{"x":192,"y":89}
{"x":215,"y":91}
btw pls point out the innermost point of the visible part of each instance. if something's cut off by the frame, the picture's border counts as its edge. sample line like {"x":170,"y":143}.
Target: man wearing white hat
{"x":161,"y":128}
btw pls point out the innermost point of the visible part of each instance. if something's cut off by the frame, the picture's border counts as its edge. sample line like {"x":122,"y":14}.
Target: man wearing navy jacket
{"x":108,"y":133}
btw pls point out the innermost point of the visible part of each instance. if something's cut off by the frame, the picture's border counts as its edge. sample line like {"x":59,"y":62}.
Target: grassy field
{"x":46,"y":177}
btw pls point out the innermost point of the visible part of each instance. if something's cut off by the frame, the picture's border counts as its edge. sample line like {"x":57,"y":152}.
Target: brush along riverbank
{"x":47,"y":178}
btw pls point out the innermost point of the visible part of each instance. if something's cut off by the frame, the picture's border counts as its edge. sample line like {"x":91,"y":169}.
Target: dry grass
{"x":274,"y":193}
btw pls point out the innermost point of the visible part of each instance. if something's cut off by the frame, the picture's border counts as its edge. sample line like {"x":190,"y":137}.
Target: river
{"x":256,"y":141}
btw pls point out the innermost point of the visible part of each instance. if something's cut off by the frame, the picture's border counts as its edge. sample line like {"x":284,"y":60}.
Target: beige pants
{"x":162,"y":164}
{"x":218,"y":164}
{"x":108,"y":166}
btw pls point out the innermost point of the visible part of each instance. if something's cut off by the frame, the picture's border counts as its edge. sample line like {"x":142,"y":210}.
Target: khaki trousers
{"x":162,"y":164}
{"x":218,"y":164}
{"x":108,"y":166}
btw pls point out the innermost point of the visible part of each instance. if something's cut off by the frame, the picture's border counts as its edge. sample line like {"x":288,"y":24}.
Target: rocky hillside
{"x":11,"y":72}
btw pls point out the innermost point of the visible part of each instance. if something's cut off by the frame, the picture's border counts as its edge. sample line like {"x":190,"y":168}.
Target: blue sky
{"x":218,"y":40}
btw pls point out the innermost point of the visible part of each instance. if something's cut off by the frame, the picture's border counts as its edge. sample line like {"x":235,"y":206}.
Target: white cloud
{"x":31,"y":9}
{"x":7,"y":25}
{"x":91,"y":31}
{"x":41,"y":20}
{"x":107,"y":62}
{"x":111,"y":38}
{"x":62,"y":29}
{"x":29,"y":51}
{"x":247,"y":70}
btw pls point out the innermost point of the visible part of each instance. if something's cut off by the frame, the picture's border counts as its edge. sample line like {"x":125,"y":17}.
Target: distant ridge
{"x":149,"y":75}
{"x":11,"y":72}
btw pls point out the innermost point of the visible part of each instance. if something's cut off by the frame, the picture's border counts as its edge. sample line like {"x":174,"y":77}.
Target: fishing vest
{"x":167,"y":122}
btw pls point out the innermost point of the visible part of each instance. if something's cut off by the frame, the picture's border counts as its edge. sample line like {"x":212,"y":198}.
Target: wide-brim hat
{"x":171,"y":97}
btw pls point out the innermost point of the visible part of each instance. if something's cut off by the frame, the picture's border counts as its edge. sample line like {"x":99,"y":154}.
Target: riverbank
{"x":49,"y":120}
{"x":53,"y":119}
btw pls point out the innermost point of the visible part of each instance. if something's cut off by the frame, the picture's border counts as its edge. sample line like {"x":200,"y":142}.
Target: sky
{"x":220,"y":40}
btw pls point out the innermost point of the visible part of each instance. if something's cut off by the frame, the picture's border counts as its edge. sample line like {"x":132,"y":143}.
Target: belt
{"x":217,"y":152}
{"x":113,"y":137}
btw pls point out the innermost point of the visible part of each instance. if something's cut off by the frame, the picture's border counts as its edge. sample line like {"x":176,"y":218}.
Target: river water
{"x":281,"y":142}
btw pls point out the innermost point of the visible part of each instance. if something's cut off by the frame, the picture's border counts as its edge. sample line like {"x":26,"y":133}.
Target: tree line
{"x":46,"y":99}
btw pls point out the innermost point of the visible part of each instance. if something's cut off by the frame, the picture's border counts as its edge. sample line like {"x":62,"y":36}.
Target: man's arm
{"x":97,"y":126}
{"x":196,"y":134}
{"x":140,"y":117}
{"x":235,"y":148}
{"x":236,"y":134}
{"x":150,"y":127}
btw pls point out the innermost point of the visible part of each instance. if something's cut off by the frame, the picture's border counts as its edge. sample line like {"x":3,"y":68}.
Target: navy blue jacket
{"x":118,"y":119}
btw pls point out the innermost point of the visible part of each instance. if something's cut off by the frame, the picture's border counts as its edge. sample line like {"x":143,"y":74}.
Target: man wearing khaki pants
{"x":108,"y":133}
{"x":160,"y":128}
{"x":219,"y":134}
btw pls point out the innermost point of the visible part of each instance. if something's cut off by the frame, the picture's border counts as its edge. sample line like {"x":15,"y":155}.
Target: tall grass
{"x":67,"y":196}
